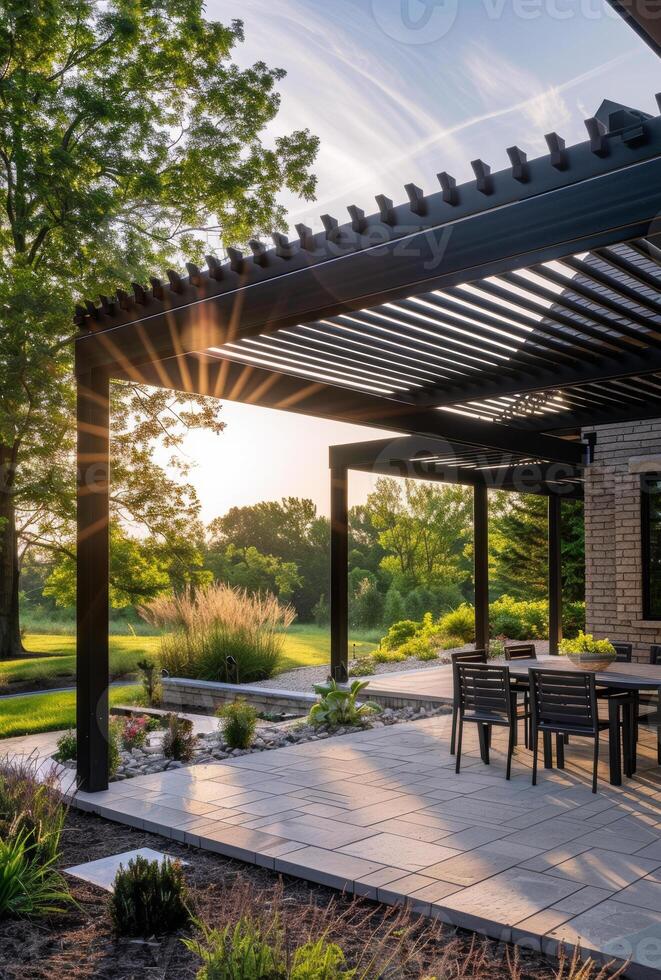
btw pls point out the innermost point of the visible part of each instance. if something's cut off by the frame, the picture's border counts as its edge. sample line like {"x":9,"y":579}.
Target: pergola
{"x":492,"y":319}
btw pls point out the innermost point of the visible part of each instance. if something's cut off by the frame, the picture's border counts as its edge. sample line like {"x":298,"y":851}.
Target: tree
{"x":289,"y":529}
{"x":518,"y":543}
{"x":140,"y":569}
{"x":248,"y":568}
{"x":127,"y":136}
{"x":423,"y":528}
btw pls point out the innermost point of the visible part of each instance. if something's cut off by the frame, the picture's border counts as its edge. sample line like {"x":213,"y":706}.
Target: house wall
{"x":614,"y":594}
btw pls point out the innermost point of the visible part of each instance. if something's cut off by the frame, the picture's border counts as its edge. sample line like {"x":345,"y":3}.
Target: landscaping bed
{"x":81,"y":943}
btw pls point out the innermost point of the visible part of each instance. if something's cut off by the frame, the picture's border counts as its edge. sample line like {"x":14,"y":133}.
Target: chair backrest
{"x":484,"y":689}
{"x":465,"y":657}
{"x":564,"y":699}
{"x":521,"y":651}
{"x":623,"y":652}
{"x":655,"y":653}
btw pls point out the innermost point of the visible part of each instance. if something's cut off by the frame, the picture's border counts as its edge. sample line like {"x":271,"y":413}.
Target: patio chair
{"x":565,"y":703}
{"x":655,"y":654}
{"x":485,"y":698}
{"x":462,"y":657}
{"x":521,"y":651}
{"x":623,"y":652}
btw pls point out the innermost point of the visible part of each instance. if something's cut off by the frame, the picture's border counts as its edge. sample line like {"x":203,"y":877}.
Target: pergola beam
{"x":271,"y":389}
{"x":644,"y":16}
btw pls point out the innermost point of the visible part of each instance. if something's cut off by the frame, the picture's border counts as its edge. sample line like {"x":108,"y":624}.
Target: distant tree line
{"x":410,"y":552}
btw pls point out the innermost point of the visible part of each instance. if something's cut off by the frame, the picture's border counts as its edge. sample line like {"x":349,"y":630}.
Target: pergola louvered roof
{"x":525,"y":300}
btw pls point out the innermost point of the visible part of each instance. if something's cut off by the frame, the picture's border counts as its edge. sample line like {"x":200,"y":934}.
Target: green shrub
{"x":240,"y":952}
{"x":238,"y":722}
{"x":151,"y":682}
{"x":319,"y":960}
{"x":573,"y":617}
{"x":399,"y":633}
{"x":362,"y":667}
{"x":388,"y":657}
{"x":66,"y":747}
{"x":460,"y":623}
{"x":321,"y":611}
{"x":339,"y":706}
{"x":451,"y":642}
{"x":29,"y":885}
{"x":179,"y":740}
{"x":421,"y":647}
{"x":149,"y":898}
{"x":134,"y":732}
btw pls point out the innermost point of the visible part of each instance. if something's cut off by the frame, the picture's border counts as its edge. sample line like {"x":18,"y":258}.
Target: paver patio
{"x":382,"y":814}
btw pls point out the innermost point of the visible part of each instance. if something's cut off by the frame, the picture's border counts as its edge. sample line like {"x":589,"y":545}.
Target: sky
{"x":398,"y":90}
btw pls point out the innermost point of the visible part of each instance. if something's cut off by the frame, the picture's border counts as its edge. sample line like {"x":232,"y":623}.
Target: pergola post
{"x":555,"y":571}
{"x":339,"y":569}
{"x":481,"y":565}
{"x":92,"y":666}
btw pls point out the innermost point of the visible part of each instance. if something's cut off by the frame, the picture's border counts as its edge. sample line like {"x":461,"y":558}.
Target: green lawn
{"x":305,"y":646}
{"x":59,"y":658}
{"x":50,"y":712}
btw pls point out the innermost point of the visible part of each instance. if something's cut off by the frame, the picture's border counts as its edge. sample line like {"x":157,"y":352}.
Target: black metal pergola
{"x":499,"y":316}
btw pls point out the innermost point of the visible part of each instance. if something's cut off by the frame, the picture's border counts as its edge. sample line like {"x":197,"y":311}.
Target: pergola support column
{"x":555,"y":571}
{"x":481,"y":565}
{"x":92,"y":663}
{"x":339,"y":571}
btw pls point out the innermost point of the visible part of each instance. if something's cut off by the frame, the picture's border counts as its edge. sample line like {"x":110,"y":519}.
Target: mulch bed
{"x":81,"y":942}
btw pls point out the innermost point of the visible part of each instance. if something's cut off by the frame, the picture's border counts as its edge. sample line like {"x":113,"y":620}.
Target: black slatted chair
{"x":655,"y":654}
{"x":623,"y":652}
{"x":463,"y":657}
{"x":485,"y":699}
{"x":522,"y":651}
{"x":565,"y":703}
{"x":651,"y":704}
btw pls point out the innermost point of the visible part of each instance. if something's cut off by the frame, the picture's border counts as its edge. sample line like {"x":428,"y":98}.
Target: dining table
{"x":620,"y":676}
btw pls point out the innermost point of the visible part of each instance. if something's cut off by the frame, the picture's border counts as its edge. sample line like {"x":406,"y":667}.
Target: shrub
{"x":66,"y":747}
{"x":388,"y":657}
{"x":399,"y":633}
{"x":179,"y":740}
{"x":518,"y":619}
{"x":134,"y":733}
{"x":32,"y":804}
{"x":29,"y":885}
{"x":240,"y":952}
{"x":339,"y":706}
{"x":460,"y":623}
{"x":362,"y":667}
{"x":151,"y":682}
{"x":451,"y":642}
{"x":217,"y":622}
{"x":321,"y":611}
{"x":421,"y":647}
{"x":238,"y":722}
{"x":573,"y":617}
{"x":149,"y":898}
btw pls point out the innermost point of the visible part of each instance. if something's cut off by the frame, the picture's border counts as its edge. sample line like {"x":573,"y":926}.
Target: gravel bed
{"x":211,"y":747}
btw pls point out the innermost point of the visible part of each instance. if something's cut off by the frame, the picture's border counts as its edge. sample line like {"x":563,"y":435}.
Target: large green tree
{"x":128,"y":138}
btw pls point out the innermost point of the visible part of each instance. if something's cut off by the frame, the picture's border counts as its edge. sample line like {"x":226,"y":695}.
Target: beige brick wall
{"x":612,"y":535}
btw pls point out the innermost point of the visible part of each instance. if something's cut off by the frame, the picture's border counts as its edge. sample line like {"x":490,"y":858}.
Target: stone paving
{"x":382,"y":813}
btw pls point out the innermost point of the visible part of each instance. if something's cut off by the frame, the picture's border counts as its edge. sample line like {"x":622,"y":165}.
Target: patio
{"x":382,"y":814}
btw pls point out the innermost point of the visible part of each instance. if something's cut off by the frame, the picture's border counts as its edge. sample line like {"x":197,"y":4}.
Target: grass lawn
{"x":305,"y":646}
{"x":59,"y":658}
{"x":50,"y":712}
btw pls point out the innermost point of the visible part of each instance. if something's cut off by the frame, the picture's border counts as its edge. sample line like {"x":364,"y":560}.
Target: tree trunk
{"x":10,"y":631}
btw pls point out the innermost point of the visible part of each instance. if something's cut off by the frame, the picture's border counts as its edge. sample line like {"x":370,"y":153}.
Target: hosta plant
{"x":340,"y":706}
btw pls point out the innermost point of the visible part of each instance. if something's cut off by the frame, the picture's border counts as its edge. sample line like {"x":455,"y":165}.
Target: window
{"x":650,"y":485}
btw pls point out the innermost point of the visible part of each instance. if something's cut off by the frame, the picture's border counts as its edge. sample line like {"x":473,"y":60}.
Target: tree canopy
{"x":129,"y":137}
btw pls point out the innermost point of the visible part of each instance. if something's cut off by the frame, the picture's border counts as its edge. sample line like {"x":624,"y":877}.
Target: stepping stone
{"x":103,"y":871}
